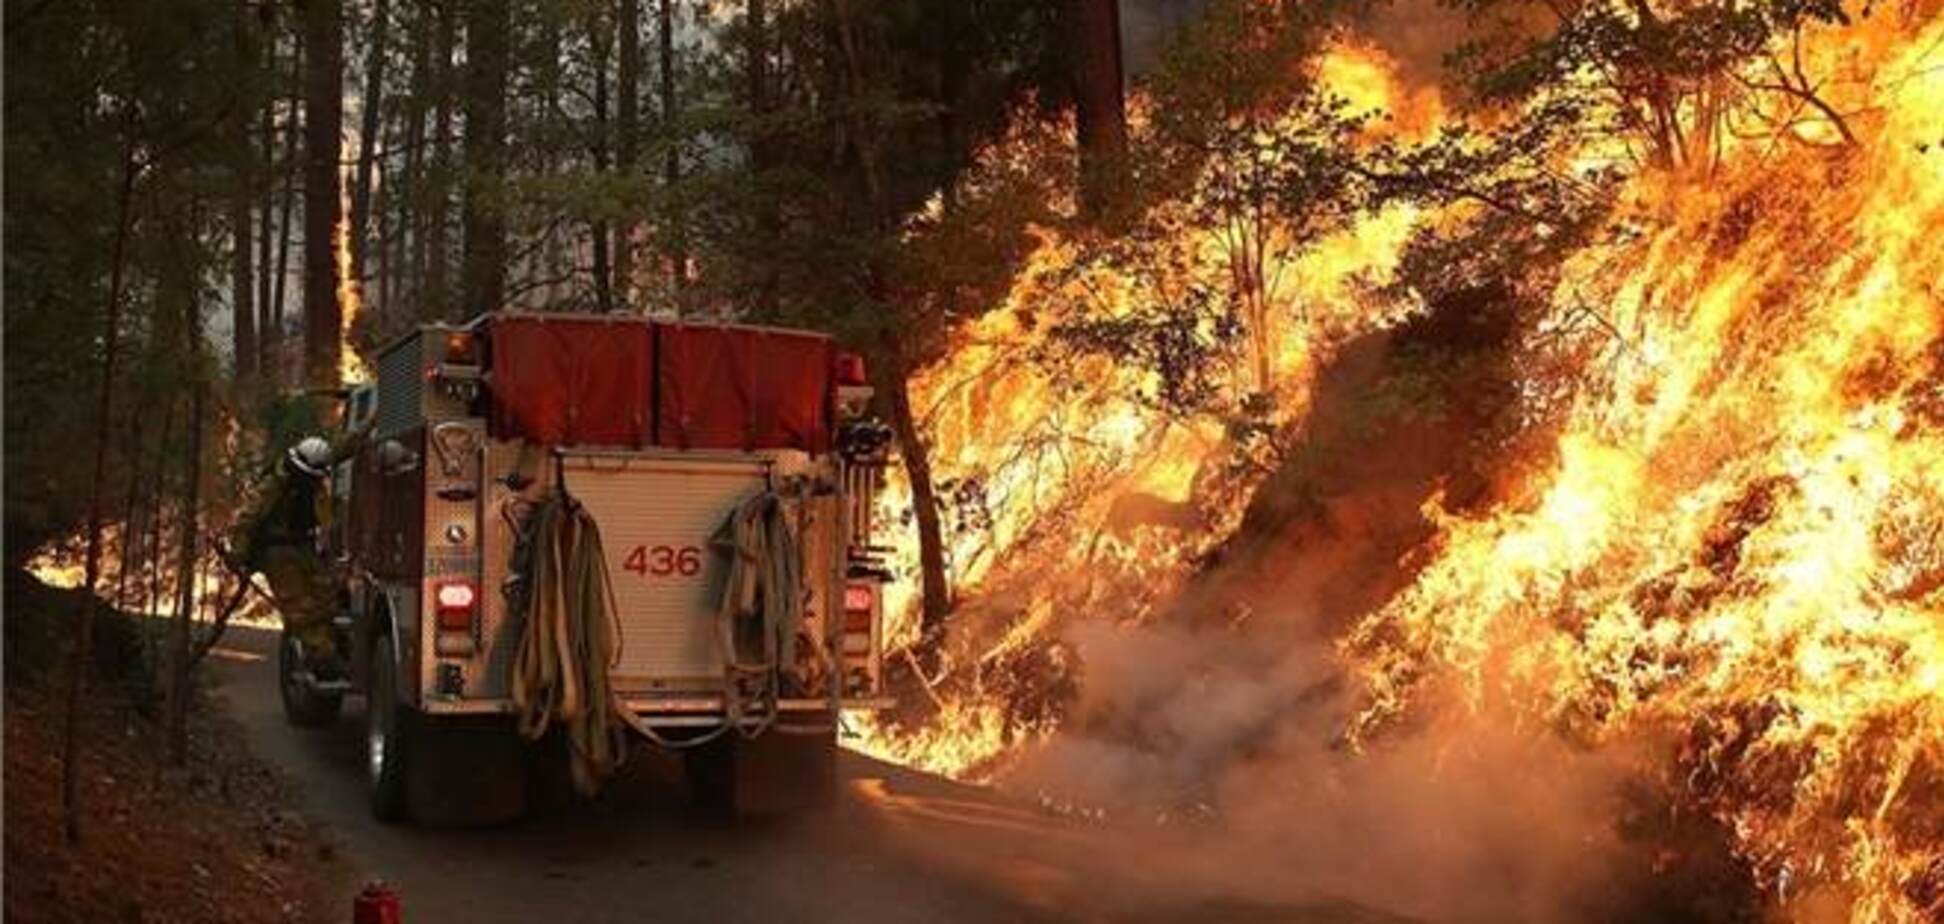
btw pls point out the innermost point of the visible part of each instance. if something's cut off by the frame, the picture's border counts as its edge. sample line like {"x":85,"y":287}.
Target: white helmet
{"x":312,"y":456}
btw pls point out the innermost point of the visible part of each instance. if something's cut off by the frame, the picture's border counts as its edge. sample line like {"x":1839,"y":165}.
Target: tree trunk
{"x":409,"y":221}
{"x":386,"y":234}
{"x":483,"y":269}
{"x":937,"y":599}
{"x":672,"y":160}
{"x":131,"y":554}
{"x":936,"y":602}
{"x":153,"y":560}
{"x":189,"y":543}
{"x":627,"y":92}
{"x":438,"y":201}
{"x":83,"y":654}
{"x":1100,"y":112}
{"x":243,"y":340}
{"x":769,"y":224}
{"x":601,"y":40}
{"x":953,"y":71}
{"x":371,"y":123}
{"x":273,"y":332}
{"x":323,"y":125}
{"x":265,"y":213}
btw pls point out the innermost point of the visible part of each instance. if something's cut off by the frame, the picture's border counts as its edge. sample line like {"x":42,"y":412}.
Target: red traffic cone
{"x":377,"y":904}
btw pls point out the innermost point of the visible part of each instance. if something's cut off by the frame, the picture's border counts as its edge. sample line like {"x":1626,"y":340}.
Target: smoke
{"x":1229,"y":741}
{"x":1146,"y":26}
{"x":1418,"y":35}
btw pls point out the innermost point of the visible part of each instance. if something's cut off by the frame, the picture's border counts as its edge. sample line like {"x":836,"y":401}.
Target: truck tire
{"x":776,"y":773}
{"x":440,"y":771}
{"x":303,"y":706}
{"x":390,"y":730}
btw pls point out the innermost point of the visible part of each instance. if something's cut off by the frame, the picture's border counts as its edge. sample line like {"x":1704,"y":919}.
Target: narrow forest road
{"x":898,"y":846}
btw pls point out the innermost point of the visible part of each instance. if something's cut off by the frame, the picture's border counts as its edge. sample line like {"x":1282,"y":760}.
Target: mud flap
{"x":776,"y":773}
{"x":466,"y":771}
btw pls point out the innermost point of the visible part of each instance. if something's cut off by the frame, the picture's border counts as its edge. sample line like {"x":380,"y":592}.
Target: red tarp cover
{"x":742,"y":388}
{"x":572,"y":381}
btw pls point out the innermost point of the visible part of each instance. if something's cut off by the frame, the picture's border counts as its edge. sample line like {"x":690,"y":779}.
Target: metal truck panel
{"x":657,"y":517}
{"x":406,"y":398}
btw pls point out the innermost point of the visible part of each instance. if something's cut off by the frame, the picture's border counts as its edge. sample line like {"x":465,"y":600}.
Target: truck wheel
{"x":303,"y":705}
{"x":389,"y":730}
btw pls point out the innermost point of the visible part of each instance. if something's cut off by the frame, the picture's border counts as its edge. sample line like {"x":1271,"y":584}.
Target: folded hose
{"x":571,"y":638}
{"x":763,"y":597}
{"x":570,"y":641}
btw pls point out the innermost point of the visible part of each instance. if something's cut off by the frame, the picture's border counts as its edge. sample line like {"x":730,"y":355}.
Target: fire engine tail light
{"x":461,"y":349}
{"x":455,"y":606}
{"x":860,"y":602}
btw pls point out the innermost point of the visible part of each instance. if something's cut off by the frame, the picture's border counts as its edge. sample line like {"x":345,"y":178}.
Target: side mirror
{"x":362,"y":407}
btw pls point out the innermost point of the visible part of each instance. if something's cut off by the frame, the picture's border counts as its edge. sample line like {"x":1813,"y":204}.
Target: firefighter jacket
{"x":294,"y":506}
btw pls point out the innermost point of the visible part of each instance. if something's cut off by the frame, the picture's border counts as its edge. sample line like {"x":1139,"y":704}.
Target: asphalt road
{"x":897,"y":846}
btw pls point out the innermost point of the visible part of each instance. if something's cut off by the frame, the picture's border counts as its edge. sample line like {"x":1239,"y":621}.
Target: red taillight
{"x":454,"y":605}
{"x":459,"y":349}
{"x":860,"y":602}
{"x":850,"y":369}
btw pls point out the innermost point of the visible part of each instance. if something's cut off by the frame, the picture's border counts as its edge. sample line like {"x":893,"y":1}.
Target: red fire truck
{"x":658,"y":430}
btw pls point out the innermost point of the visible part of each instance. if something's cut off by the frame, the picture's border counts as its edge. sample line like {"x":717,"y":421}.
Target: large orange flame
{"x":1737,"y":542}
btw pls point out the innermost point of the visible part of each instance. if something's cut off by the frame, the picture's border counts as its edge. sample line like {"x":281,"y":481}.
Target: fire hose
{"x":571,"y":638}
{"x":560,"y":670}
{"x":765,"y":591}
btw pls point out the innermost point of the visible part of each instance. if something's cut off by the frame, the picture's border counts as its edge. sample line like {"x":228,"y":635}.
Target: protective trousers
{"x":305,"y":596}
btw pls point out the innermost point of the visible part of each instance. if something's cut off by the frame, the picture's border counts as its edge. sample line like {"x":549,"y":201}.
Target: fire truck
{"x":658,"y":430}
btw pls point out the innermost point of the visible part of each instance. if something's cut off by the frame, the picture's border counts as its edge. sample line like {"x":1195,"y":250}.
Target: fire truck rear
{"x":658,"y":431}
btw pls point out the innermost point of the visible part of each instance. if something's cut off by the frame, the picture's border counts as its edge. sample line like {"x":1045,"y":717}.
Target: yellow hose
{"x":560,"y":670}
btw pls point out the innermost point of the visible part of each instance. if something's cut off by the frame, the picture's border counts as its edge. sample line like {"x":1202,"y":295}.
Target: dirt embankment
{"x":216,"y":840}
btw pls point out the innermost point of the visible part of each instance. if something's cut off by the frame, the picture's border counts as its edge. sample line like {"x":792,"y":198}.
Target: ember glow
{"x":1733,"y":546}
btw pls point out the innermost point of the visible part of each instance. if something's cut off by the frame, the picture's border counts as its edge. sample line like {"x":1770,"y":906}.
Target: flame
{"x":351,"y":366}
{"x":1743,"y":549}
{"x":1081,"y":466}
{"x":1367,"y":80}
{"x":1735,"y":540}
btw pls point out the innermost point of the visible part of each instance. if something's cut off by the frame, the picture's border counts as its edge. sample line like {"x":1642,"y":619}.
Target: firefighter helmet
{"x":312,"y":456}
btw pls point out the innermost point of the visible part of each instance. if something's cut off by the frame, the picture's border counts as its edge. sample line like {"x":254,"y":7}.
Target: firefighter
{"x":280,"y":539}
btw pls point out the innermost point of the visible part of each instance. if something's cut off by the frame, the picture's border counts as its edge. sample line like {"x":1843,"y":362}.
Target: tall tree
{"x":189,"y":538}
{"x":483,"y":262}
{"x":627,"y":128}
{"x":266,"y":214}
{"x":371,"y":121}
{"x":286,"y":210}
{"x":1100,"y":110}
{"x":436,"y":201}
{"x":672,"y":157}
{"x":762,"y":155}
{"x":243,"y":339}
{"x":600,"y":38}
{"x":91,"y":569}
{"x":323,"y":127}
